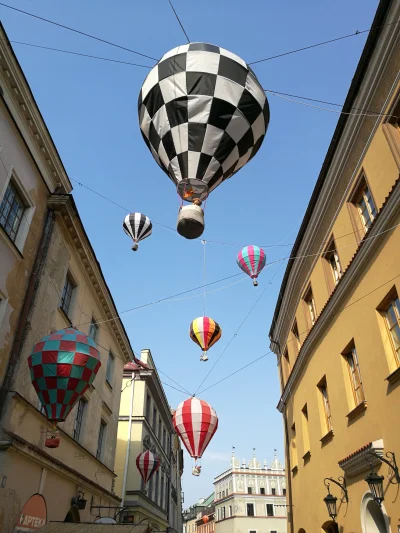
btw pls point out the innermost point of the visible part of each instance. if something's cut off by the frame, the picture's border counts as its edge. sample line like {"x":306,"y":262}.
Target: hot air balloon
{"x":205,"y":332}
{"x":62,"y":366}
{"x":251,"y":259}
{"x":203,"y":115}
{"x":195,"y":421}
{"x":138,"y":227}
{"x":147,"y":463}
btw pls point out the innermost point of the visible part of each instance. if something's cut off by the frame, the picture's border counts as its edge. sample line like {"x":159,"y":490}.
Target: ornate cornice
{"x":69,"y":219}
{"x":21,"y":104}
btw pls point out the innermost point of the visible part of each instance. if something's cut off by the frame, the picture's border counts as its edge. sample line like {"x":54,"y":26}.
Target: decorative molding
{"x":378,"y":63}
{"x":348,"y":281}
{"x":356,"y":463}
{"x":394,"y":376}
{"x":360,"y":408}
{"x":327,"y":438}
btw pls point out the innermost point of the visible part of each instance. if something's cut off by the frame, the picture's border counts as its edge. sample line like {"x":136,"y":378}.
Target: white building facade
{"x":251,"y":498}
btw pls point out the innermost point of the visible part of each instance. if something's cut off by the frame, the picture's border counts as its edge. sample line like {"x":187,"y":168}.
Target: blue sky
{"x":90,"y":108}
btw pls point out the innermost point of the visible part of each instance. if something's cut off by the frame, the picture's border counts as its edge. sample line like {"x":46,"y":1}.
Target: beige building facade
{"x":251,"y":498}
{"x":145,"y":423}
{"x":49,"y":279}
{"x":336,"y":328}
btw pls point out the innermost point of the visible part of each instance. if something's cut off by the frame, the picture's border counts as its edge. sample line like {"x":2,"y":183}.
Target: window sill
{"x":65,"y":316}
{"x":307,"y":456}
{"x":360,"y":408}
{"x":109,"y":384}
{"x":327,"y":438}
{"x":295,"y":469}
{"x":394,"y":376}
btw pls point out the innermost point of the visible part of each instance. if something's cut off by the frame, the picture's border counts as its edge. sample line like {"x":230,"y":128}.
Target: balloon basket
{"x":135,"y":247}
{"x":190,"y":221}
{"x":204,"y":357}
{"x":255,"y":283}
{"x":52,"y":442}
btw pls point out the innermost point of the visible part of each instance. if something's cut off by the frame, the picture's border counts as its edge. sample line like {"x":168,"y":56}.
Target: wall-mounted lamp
{"x":375,"y":481}
{"x":330,"y":500}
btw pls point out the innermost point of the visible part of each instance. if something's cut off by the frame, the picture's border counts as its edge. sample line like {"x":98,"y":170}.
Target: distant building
{"x":145,"y":423}
{"x":206,"y":522}
{"x":50,"y":279}
{"x":251,"y":498}
{"x":336,"y":326}
{"x":193,"y":513}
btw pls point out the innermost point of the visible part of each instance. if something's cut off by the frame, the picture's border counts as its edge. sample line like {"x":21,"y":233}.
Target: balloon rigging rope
{"x":205,"y":277}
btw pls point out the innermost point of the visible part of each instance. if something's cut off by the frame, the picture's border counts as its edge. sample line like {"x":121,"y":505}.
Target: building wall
{"x":347,"y":313}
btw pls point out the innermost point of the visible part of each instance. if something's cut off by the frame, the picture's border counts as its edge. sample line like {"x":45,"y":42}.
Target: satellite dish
{"x":105,"y":520}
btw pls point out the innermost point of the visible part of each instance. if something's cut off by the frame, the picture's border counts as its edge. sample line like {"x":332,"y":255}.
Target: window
{"x":295,"y":332}
{"x":159,"y":428}
{"x":250,"y":509}
{"x":270,"y":509}
{"x":365,"y":205}
{"x":12,"y":210}
{"x":156,"y":489}
{"x":391,"y":129}
{"x":286,"y":356}
{"x":273,"y":531}
{"x":230,"y":510}
{"x":66,"y":297}
{"x":332,"y":260}
{"x":110,"y":368}
{"x":164,"y":438}
{"x":273,"y":492}
{"x":154,"y":419}
{"x":326,"y":406}
{"x":262,"y":490}
{"x":310,"y":304}
{"x":100,"y":442}
{"x":223,"y":494}
{"x":284,"y":491}
{"x":392,"y":317}
{"x":162,"y":492}
{"x":148,"y":406}
{"x":222,"y":513}
{"x":355,"y":375}
{"x":293,"y":446}
{"x":306,"y":437}
{"x":93,"y":330}
{"x":79,"y":419}
{"x":249,"y":490}
{"x":252,"y":531}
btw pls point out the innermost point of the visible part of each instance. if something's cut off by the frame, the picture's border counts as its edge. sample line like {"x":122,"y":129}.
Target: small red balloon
{"x":205,"y":519}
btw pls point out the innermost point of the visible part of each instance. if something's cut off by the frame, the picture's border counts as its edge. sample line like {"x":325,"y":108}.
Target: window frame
{"x":69,"y":278}
{"x":391,"y":129}
{"x":101,"y":439}
{"x":310,"y":307}
{"x":326,"y":405}
{"x":96,"y":327}
{"x":29,"y":209}
{"x":359,"y":226}
{"x":110,"y":368}
{"x":262,"y":490}
{"x":249,"y":490}
{"x":247,"y":509}
{"x":273,"y":510}
{"x":295,"y":332}
{"x":396,"y":310}
{"x":80,"y":413}
{"x":353,"y":369}
{"x":333,"y":272}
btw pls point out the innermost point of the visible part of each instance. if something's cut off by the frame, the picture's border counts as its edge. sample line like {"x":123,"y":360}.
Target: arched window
{"x":373,"y":517}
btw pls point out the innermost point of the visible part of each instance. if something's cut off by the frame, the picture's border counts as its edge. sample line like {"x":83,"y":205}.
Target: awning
{"x":64,"y":527}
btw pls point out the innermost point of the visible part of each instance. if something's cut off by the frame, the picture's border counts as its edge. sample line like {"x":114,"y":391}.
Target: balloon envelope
{"x":137,"y":226}
{"x":195,"y":421}
{"x":251,"y":259}
{"x":62,"y":366}
{"x":147,"y":463}
{"x":203,"y":115}
{"x":205,"y":332}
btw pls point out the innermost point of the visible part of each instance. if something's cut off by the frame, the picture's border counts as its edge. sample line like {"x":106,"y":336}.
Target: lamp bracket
{"x":390,"y":461}
{"x":340,"y":483}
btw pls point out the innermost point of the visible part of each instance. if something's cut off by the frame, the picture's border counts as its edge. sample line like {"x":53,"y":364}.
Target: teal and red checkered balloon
{"x":63,"y":365}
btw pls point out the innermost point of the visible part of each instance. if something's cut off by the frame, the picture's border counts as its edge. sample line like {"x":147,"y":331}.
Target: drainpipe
{"x":24,"y":323}
{"x":128,"y":447}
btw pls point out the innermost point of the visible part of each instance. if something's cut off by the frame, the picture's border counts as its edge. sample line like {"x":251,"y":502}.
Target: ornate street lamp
{"x":375,"y":481}
{"x":330,"y":500}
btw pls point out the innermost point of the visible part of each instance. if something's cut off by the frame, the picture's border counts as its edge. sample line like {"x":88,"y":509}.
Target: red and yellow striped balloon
{"x":205,"y":332}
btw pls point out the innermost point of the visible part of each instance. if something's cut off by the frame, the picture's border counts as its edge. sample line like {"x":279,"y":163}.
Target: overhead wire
{"x":322,"y":43}
{"x":179,"y":20}
{"x":270,"y":352}
{"x":85,"y":34}
{"x":80,"y":54}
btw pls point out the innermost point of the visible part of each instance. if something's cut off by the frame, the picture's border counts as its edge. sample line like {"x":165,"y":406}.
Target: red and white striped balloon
{"x":195,"y":421}
{"x":147,"y":463}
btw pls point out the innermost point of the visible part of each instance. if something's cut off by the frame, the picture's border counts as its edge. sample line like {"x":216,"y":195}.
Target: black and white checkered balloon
{"x":203,"y":115}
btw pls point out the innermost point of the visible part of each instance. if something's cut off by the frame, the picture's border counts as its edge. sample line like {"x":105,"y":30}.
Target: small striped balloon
{"x":205,"y":332}
{"x":251,"y":259}
{"x":147,"y":463}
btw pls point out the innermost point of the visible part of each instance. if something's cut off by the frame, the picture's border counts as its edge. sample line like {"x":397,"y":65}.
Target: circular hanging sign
{"x":33,"y":515}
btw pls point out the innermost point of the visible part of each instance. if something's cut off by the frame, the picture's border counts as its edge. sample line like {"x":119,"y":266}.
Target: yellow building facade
{"x":336,"y":327}
{"x":50,"y":279}
{"x":145,"y":423}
